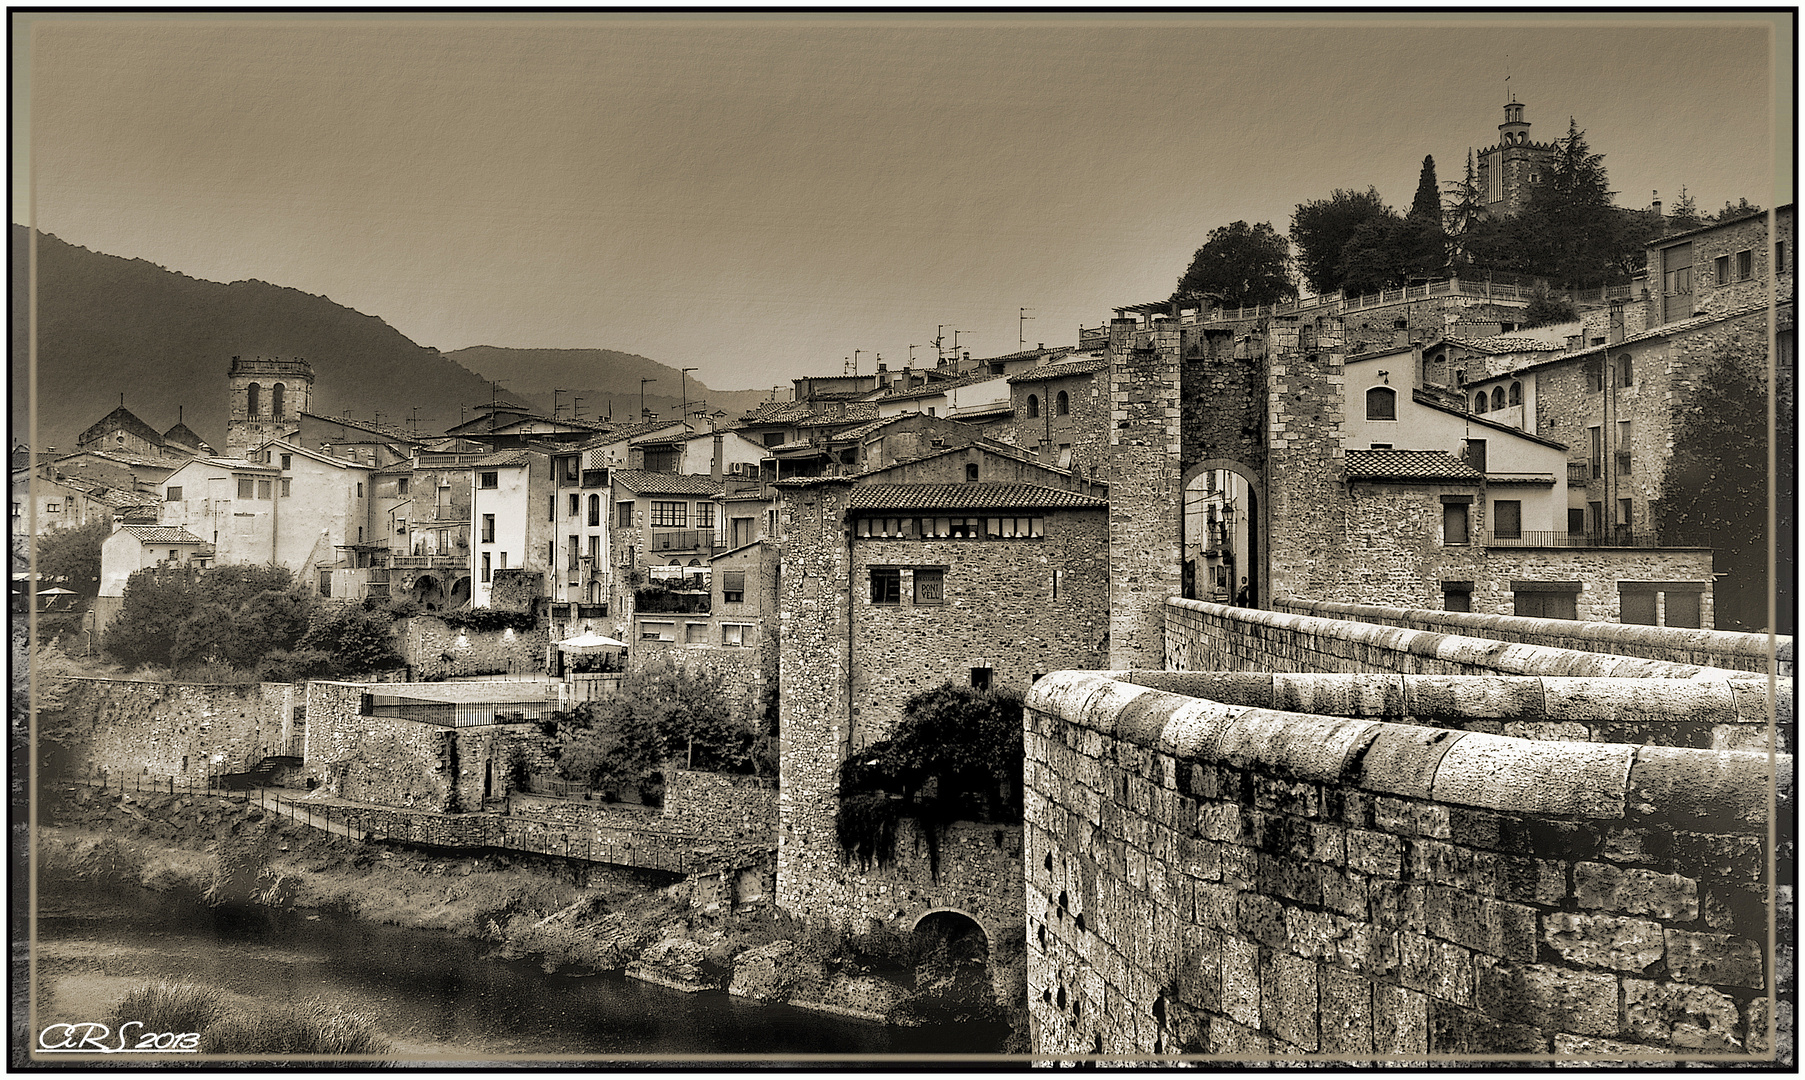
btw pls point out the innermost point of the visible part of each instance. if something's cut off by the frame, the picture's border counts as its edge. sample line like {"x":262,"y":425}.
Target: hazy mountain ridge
{"x":109,"y":325}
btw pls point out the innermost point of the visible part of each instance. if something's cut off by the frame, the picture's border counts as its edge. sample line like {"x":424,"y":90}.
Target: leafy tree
{"x":359,"y":639}
{"x":1739,"y":209}
{"x":957,"y":755}
{"x":157,"y":600}
{"x":1570,"y":230}
{"x":73,"y":555}
{"x":1240,"y":265}
{"x":1321,"y":230}
{"x":663,"y":711}
{"x":1387,"y":252}
{"x":1547,"y":309}
{"x":229,"y":615}
{"x":1714,"y":485}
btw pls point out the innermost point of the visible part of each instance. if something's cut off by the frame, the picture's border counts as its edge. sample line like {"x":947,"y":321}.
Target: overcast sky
{"x":759,"y":196}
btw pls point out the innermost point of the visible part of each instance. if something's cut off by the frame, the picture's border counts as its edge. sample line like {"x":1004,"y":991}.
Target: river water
{"x":433,"y":995}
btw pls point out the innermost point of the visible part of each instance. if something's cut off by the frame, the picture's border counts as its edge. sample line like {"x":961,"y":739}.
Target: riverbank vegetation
{"x":304,"y":1027}
{"x":567,"y":916}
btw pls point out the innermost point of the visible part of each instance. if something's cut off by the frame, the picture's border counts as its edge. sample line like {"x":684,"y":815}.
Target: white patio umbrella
{"x":589,"y":642}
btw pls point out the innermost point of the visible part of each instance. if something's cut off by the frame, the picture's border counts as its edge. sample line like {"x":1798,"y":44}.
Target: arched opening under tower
{"x":1223,"y":534}
{"x":951,"y":957}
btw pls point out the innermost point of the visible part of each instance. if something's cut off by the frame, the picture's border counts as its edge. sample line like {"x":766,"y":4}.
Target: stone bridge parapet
{"x":1213,"y":877}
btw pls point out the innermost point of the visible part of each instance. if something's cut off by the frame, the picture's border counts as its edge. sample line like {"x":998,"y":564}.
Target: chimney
{"x":719,"y":451}
{"x":1614,"y":335}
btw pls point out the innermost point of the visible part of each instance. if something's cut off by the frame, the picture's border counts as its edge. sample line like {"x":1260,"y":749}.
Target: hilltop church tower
{"x":1515,"y":166}
{"x":267,"y":399}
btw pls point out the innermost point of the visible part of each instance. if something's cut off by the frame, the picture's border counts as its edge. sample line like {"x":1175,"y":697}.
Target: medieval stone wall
{"x":1202,"y":636}
{"x":721,"y":804}
{"x":171,"y":730}
{"x":377,"y":759}
{"x":1307,"y":553}
{"x":1704,"y":648}
{"x":435,"y":650}
{"x":1213,"y":879}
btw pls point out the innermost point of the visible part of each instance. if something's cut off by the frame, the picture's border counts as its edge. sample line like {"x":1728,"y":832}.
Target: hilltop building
{"x":267,"y":398}
{"x":1513,"y":167}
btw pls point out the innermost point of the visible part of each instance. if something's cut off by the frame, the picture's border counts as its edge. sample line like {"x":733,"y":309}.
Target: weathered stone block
{"x":1241,"y":981}
{"x":1400,"y":1020}
{"x":1711,"y":790}
{"x":1604,"y":940}
{"x":1689,"y":1017}
{"x":1374,"y":853}
{"x":1401,"y":817}
{"x":1261,"y":918}
{"x":1441,"y":970}
{"x":1549,"y":997}
{"x":1346,"y":1026}
{"x":1719,"y":959}
{"x":1635,"y":892}
{"x":1558,"y":778}
{"x":1288,"y":1003}
{"x":1454,"y":1029}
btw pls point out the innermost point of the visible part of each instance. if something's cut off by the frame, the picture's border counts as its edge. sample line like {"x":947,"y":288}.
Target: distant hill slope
{"x":108,"y":326}
{"x":601,"y":377}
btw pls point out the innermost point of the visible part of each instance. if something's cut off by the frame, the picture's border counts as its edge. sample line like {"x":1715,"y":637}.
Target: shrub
{"x":170,"y":1006}
{"x":1546,"y":309}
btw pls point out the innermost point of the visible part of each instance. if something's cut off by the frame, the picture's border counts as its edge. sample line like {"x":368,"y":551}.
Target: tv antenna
{"x":939,"y":350}
{"x":1021,"y":328}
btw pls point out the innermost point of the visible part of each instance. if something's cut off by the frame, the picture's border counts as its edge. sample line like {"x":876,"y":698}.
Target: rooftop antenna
{"x":576,"y":411}
{"x":413,"y":420}
{"x":683,"y":377}
{"x":911,"y":356}
{"x":1021,"y":328}
{"x":556,"y":390}
{"x":642,"y":398}
{"x":956,"y":342}
{"x":939,"y":352}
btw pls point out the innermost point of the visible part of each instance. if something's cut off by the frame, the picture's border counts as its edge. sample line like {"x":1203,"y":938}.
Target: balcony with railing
{"x":654,"y":600}
{"x":1578,"y":472}
{"x":698,"y":540}
{"x":440,"y":561}
{"x":1618,"y":537}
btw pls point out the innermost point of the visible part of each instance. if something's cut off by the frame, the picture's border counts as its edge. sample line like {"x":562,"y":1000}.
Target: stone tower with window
{"x":266,"y":402}
{"x":1510,"y":170}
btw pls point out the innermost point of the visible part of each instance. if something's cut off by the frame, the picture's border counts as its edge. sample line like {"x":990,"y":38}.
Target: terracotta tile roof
{"x":1085,"y":366}
{"x":991,"y":408}
{"x":387,"y":431}
{"x":857,"y":412}
{"x":970,"y":497}
{"x":502,"y":460}
{"x":651,"y":483}
{"x":1023,"y":354}
{"x":1409,"y":465}
{"x":777,"y":412}
{"x":162,"y":534}
{"x":136,"y":460}
{"x":1669,"y":328}
{"x":1501,"y":343}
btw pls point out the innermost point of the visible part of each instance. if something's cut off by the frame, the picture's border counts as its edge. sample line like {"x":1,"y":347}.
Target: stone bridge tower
{"x":266,"y":399}
{"x":1145,"y":500}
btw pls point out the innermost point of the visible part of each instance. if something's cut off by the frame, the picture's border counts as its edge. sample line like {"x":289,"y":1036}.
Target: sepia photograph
{"x":532,"y":545}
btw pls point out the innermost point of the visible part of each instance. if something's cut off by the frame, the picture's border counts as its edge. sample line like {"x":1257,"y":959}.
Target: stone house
{"x":513,"y":511}
{"x":734,"y":634}
{"x":132,"y":548}
{"x":118,"y":470}
{"x":1061,"y":412}
{"x":661,"y":525}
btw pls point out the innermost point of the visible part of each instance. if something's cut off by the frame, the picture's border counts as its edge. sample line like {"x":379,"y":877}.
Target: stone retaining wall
{"x":172,"y":730}
{"x":1703,"y":648}
{"x":1221,"y":879}
{"x":722,"y":804}
{"x":435,"y":650}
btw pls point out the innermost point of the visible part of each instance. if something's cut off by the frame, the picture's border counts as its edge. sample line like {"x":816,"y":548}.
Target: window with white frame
{"x":736,"y":635}
{"x":670,"y":515}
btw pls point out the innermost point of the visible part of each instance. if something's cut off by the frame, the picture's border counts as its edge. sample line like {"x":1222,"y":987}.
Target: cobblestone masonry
{"x":1205,"y":878}
{"x":185,"y":731}
{"x":721,"y":804}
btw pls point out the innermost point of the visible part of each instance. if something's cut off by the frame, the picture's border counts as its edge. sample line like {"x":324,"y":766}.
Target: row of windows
{"x":930,"y":585}
{"x":1062,"y":405}
{"x":1745,"y":267}
{"x":1498,"y":399}
{"x":1639,"y":606}
{"x":950,"y":528}
{"x":253,"y":401}
{"x":488,"y":567}
{"x":733,"y":635}
{"x":1621,"y":372}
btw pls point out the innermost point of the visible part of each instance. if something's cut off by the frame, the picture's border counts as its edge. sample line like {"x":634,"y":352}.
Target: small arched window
{"x":1479,"y":402}
{"x":595,"y":509}
{"x":1516,"y":393}
{"x":253,"y":399}
{"x":1497,"y":397}
{"x":1033,"y":405}
{"x":276,"y":394}
{"x":1381,"y":403}
{"x":1062,"y":404}
{"x":971,"y":471}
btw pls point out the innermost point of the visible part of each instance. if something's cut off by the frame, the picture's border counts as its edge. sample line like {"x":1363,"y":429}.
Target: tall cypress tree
{"x":1427,"y":204}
